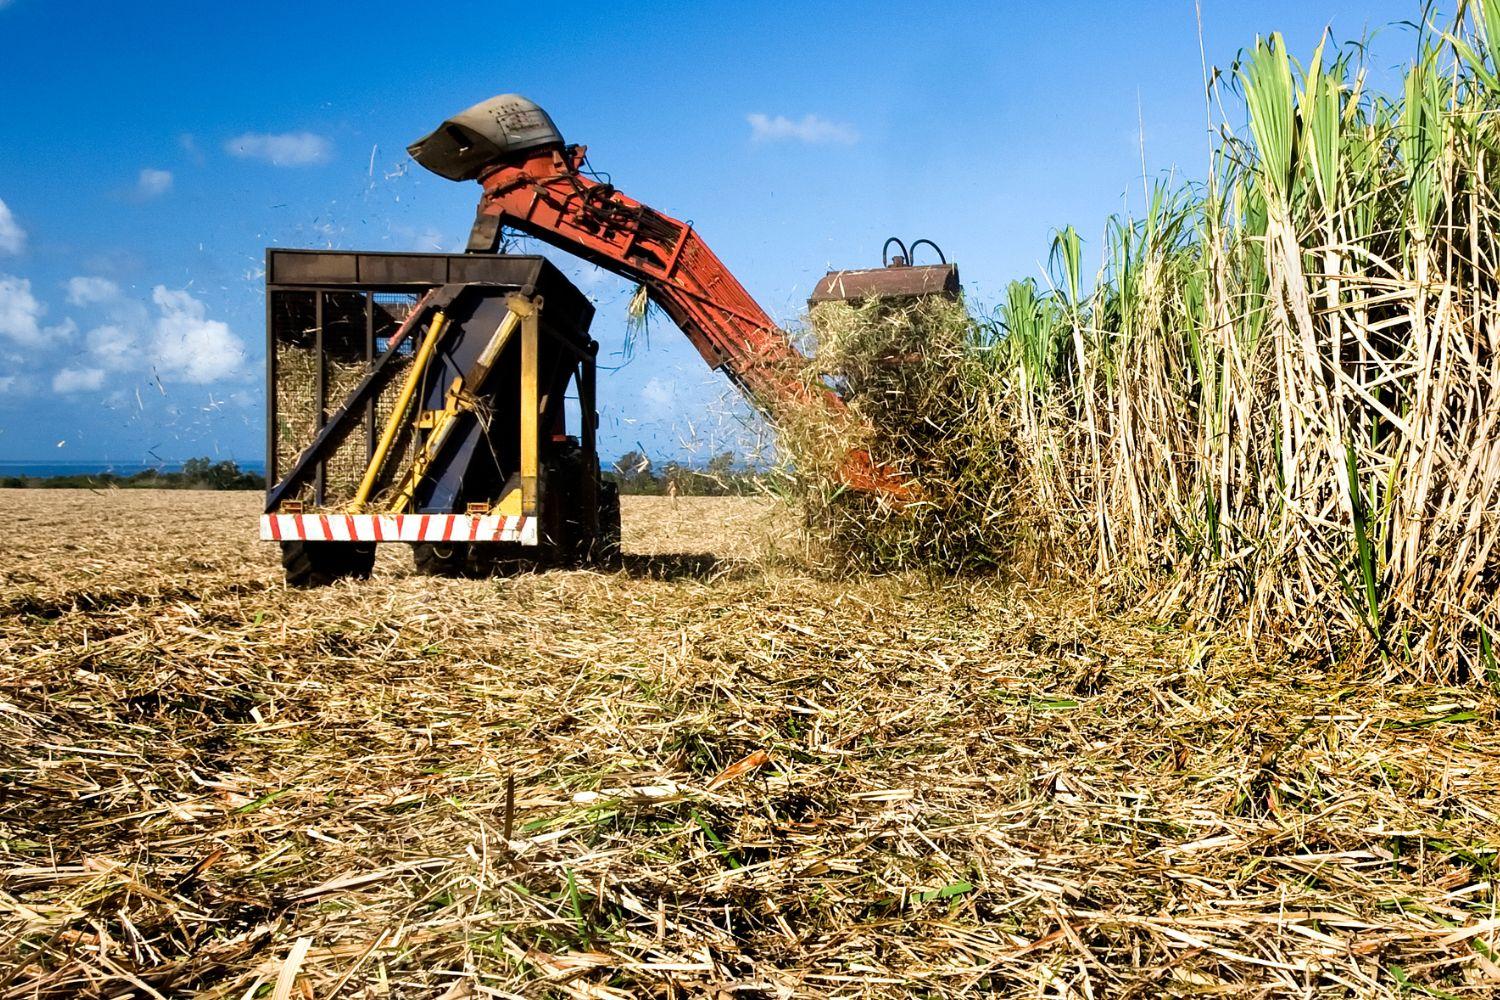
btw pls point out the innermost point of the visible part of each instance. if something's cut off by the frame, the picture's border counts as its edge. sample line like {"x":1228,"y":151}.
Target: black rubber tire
{"x":484,"y":559}
{"x":317,"y":564}
{"x":441,"y":560}
{"x":567,"y":538}
{"x":578,"y":545}
{"x":606,"y":552}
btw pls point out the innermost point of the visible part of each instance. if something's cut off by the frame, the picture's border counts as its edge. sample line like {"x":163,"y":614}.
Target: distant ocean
{"x":42,"y":468}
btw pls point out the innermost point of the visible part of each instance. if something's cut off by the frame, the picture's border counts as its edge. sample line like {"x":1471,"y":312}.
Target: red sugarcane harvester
{"x":458,"y":367}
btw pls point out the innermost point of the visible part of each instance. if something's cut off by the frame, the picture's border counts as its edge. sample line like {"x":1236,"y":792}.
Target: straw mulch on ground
{"x":729,"y":780}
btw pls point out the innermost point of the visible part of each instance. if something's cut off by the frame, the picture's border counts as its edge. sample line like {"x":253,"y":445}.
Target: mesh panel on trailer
{"x":344,"y":349}
{"x":357,"y":327}
{"x":396,"y":306}
{"x":294,"y":329}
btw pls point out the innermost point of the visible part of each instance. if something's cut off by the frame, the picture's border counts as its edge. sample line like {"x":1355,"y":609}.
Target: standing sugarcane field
{"x":1093,"y":594}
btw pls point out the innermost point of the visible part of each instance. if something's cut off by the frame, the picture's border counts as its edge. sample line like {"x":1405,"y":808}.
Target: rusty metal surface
{"x":567,"y":307}
{"x":462,"y":147}
{"x":886,"y":283}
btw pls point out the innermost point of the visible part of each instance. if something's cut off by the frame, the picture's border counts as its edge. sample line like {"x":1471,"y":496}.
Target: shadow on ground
{"x":682,"y":566}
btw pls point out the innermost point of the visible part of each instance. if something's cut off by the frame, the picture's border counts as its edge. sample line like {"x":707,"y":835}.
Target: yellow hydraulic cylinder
{"x":393,"y":426}
{"x":530,"y":443}
{"x":457,"y":401}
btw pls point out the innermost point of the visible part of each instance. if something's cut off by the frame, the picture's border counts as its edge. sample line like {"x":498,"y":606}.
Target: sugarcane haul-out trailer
{"x":421,"y":398}
{"x":425,"y":399}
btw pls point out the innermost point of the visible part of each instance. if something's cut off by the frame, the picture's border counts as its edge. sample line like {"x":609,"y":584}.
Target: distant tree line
{"x":195,"y":474}
{"x":635,"y":473}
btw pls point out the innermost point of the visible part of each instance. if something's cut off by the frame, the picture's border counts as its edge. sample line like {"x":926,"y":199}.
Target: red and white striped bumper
{"x":397,"y":528}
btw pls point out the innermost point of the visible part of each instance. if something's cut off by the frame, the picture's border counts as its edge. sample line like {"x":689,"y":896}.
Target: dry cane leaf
{"x":739,"y":769}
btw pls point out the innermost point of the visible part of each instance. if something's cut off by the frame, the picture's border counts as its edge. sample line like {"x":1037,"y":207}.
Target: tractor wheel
{"x":317,"y":564}
{"x":606,"y":552}
{"x":441,"y":560}
{"x":567,"y":535}
{"x":500,"y":559}
{"x":569,"y":478}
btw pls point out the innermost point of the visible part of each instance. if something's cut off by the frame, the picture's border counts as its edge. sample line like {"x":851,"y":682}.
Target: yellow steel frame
{"x":459,"y":399}
{"x":530,"y":443}
{"x":522,"y":315}
{"x":393,"y":425}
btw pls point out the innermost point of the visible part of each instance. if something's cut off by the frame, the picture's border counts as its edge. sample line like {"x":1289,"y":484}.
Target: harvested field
{"x":730,"y":779}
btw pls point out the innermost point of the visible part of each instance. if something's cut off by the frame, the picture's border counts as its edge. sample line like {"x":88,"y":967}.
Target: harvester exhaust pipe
{"x":490,"y":132}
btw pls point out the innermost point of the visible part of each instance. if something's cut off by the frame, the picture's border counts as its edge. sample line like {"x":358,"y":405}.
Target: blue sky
{"x":150,"y":152}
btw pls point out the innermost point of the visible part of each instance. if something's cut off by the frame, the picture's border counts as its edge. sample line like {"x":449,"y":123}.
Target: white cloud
{"x":85,"y":290}
{"x":285,"y":149}
{"x":20,"y":312}
{"x":113,"y":347}
{"x":180,"y":342}
{"x":658,"y":393}
{"x":153,"y":183}
{"x":60,"y":333}
{"x":189,"y":347}
{"x":810,"y":129}
{"x":78,"y":380}
{"x":190,"y":147}
{"x":12,"y":236}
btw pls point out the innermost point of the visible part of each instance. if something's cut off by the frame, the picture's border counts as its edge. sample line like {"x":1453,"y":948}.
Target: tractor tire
{"x":317,"y":564}
{"x":607,"y":553}
{"x":441,"y":560}
{"x":577,"y":544}
{"x":567,"y":537}
{"x":476,"y":562}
